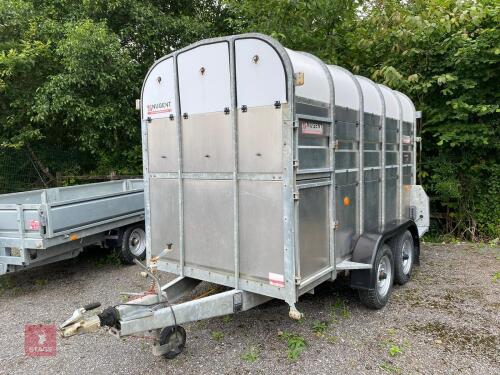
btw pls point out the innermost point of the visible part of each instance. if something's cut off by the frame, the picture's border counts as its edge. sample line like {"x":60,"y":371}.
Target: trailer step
{"x":348,"y":265}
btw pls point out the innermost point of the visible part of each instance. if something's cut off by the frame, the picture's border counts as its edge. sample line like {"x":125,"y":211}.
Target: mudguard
{"x":366,"y":247}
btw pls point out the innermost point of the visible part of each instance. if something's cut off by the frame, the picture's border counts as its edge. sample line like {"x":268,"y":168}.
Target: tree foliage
{"x":71,"y":69}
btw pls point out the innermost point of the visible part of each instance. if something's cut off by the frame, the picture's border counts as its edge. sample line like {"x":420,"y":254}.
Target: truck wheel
{"x":133,"y":244}
{"x":383,"y":266}
{"x":404,"y":256}
{"x":175,"y":337}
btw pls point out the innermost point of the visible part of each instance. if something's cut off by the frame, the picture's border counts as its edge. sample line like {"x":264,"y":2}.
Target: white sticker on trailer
{"x":311,"y":128}
{"x":276,"y":279}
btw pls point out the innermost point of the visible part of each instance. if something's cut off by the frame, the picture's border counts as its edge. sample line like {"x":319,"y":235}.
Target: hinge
{"x":277,"y":104}
{"x":298,"y":280}
{"x":335,"y":144}
{"x":185,"y":116}
{"x":295,"y":163}
{"x":171,"y":117}
{"x":149,"y":120}
{"x":226,"y":110}
{"x":244,"y":108}
{"x":296,"y":196}
{"x":335,"y":225}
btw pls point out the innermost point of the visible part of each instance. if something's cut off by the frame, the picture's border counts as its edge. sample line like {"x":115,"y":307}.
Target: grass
{"x":394,"y":350}
{"x":496,"y":277}
{"x":217,"y":335}
{"x":389,"y":368}
{"x":110,"y":259}
{"x":319,"y":328}
{"x":227,"y":319}
{"x":296,"y":344}
{"x":339,"y":308}
{"x":251,"y":354}
{"x":41,"y":282}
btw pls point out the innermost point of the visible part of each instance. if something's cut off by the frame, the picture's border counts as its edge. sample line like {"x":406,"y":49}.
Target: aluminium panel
{"x":258,"y":66}
{"x":346,"y":207}
{"x":261,"y":229}
{"x":163,"y":196}
{"x":209,"y":225}
{"x":73,"y":215}
{"x":162,"y":146}
{"x":313,"y":227}
{"x":158,"y":100}
{"x":260,"y":138}
{"x":391,"y":194}
{"x":204,"y":78}
{"x":207,"y":144}
{"x":371,"y":196}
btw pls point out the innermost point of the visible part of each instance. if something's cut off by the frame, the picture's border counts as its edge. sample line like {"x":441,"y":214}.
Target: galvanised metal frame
{"x":331,"y":271}
{"x":399,"y":208}
{"x":289,"y":177}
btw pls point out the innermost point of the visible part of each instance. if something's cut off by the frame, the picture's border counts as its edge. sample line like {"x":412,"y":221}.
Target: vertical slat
{"x":400,"y":161}
{"x":361,"y":166}
{"x":234,"y":125}
{"x":382,"y":159}
{"x":178,"y":123}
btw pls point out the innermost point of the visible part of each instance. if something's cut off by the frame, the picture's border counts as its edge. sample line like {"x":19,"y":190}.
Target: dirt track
{"x":445,"y":321}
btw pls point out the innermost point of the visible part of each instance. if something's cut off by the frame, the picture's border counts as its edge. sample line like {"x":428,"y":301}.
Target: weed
{"x":496,"y":276}
{"x":217,"y":335}
{"x":227,"y":318}
{"x":332,"y":339}
{"x":6,"y":282}
{"x":391,"y":369}
{"x":41,"y":282}
{"x":339,"y":308}
{"x":251,"y":354}
{"x":319,"y":328}
{"x":394,"y":350}
{"x":296,"y":344}
{"x":111,"y":259}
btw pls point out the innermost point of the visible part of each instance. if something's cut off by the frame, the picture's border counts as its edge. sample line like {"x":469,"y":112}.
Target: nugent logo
{"x":159,"y":108}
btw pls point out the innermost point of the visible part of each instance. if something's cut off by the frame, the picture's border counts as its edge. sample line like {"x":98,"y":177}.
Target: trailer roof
{"x":347,"y":90}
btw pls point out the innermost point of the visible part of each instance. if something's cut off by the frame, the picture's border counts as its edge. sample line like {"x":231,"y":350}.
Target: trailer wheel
{"x":133,"y":244}
{"x":175,"y":337}
{"x":404,"y":256}
{"x":383,"y":266}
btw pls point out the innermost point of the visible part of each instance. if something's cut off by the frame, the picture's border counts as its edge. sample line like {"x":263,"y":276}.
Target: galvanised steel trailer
{"x":44,"y":226}
{"x":268,"y":172}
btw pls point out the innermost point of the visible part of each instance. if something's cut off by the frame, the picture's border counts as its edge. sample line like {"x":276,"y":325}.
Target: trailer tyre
{"x":404,"y":257}
{"x":133,"y":244}
{"x":175,"y":337}
{"x":383,"y":265}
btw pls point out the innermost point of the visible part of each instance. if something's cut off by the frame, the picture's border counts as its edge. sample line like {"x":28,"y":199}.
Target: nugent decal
{"x":313,"y":128}
{"x":159,"y":108}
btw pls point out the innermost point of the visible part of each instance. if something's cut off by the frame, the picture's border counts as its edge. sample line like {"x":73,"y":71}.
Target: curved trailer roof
{"x":264,"y":72}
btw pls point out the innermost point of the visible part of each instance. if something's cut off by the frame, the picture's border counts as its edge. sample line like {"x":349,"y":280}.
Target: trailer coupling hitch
{"x":79,"y":324}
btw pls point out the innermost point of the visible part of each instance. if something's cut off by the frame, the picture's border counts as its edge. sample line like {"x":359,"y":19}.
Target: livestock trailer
{"x":44,"y":226}
{"x":268,"y":172}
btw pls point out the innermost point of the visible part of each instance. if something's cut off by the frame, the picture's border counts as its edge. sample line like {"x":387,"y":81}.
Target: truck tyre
{"x":175,"y":337}
{"x":404,"y":257}
{"x":133,"y":244}
{"x":383,"y":275}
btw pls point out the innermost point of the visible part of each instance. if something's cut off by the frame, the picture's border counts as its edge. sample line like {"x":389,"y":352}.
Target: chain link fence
{"x":29,"y":169}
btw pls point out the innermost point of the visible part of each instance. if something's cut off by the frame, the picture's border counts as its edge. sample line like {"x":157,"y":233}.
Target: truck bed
{"x":43,"y":219}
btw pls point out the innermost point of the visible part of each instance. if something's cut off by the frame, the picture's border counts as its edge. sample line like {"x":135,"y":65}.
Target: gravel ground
{"x":445,"y":321}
